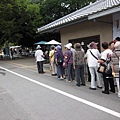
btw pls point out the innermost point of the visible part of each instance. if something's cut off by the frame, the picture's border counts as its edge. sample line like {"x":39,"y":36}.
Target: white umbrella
{"x":52,"y":42}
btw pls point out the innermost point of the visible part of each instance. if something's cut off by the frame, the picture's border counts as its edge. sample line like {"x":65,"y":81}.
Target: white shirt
{"x":91,"y":60}
{"x":38,"y":55}
{"x":104,"y":54}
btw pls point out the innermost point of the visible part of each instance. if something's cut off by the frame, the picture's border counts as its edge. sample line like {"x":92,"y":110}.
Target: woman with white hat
{"x":69,"y":59}
{"x":39,"y":59}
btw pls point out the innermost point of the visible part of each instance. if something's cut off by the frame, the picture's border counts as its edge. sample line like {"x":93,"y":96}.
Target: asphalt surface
{"x":27,"y":95}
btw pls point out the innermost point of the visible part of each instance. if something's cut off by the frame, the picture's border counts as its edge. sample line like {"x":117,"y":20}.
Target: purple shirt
{"x":68,"y":56}
{"x":58,"y":54}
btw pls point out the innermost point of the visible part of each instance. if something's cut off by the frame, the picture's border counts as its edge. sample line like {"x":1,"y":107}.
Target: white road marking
{"x":68,"y":95}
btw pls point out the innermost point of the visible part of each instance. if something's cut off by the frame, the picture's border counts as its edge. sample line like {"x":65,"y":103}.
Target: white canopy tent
{"x":53,"y":42}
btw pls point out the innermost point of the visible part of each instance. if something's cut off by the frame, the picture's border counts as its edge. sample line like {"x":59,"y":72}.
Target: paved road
{"x":27,"y":95}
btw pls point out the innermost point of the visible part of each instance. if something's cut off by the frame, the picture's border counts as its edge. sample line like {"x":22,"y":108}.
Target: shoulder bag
{"x":105,"y":68}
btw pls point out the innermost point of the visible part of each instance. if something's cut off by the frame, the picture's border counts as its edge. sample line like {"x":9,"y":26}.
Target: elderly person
{"x":92,"y":57}
{"x":105,"y":58}
{"x":117,"y":43}
{"x":52,"y":62}
{"x":111,"y":45}
{"x":59,"y":62}
{"x":115,"y":58}
{"x":39,"y":59}
{"x":68,"y":57}
{"x":78,"y":63}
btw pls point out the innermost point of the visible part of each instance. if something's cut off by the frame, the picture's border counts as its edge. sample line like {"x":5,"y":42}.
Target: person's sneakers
{"x":83,"y":84}
{"x":112,"y":91}
{"x":105,"y":92}
{"x":78,"y":85}
{"x":99,"y":87}
{"x":61,"y":78}
{"x":43,"y":72}
{"x":92,"y":88}
{"x":54,"y":74}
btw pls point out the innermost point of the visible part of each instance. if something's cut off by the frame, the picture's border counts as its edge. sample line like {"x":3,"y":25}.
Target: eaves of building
{"x":98,"y":9}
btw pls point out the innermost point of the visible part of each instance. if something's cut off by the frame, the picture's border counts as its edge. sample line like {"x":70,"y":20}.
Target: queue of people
{"x":70,"y":65}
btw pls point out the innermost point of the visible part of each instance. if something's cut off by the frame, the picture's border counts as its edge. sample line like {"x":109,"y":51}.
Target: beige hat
{"x":77,"y":46}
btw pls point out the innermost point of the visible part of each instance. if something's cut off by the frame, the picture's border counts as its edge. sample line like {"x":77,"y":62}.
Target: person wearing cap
{"x":78,"y":63}
{"x":68,"y":57}
{"x":107,"y":79}
{"x":58,"y":55}
{"x":115,"y":60}
{"x":92,"y":57}
{"x":52,"y":62}
{"x":39,"y":59}
{"x":73,"y":51}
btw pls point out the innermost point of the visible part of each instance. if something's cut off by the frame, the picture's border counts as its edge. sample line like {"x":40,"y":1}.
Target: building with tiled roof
{"x":97,"y":22}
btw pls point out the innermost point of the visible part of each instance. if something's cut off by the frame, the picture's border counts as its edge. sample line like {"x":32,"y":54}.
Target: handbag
{"x":105,"y":68}
{"x":60,"y":61}
{"x":101,"y":68}
{"x":108,"y":70}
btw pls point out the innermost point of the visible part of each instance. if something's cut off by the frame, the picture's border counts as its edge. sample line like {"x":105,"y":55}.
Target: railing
{"x":115,"y":77}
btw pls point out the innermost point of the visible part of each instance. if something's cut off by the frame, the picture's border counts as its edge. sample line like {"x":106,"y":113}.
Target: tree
{"x":51,"y":10}
{"x":19,"y":20}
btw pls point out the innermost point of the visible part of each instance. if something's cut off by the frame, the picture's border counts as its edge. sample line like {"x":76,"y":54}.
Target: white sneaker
{"x":61,"y":78}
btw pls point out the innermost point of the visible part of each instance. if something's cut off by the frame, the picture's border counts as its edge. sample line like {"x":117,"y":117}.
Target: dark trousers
{"x":60,"y":70}
{"x":70,"y":73}
{"x":80,"y":74}
{"x":40,"y":66}
{"x":108,"y":81}
{"x":89,"y":76}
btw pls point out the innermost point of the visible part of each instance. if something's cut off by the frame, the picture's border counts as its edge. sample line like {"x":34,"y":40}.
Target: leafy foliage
{"x":19,"y":19}
{"x":55,"y":9}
